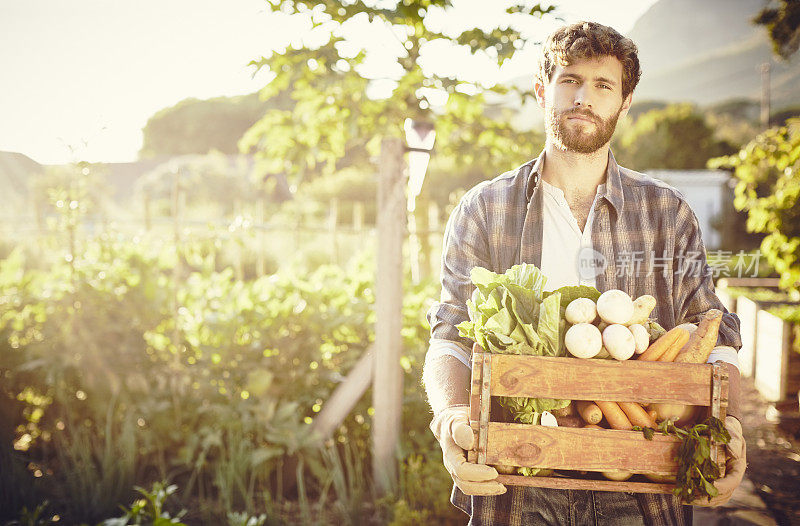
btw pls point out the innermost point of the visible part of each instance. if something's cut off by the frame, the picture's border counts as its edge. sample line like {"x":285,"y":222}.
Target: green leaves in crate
{"x":510,"y":314}
{"x":696,"y":471}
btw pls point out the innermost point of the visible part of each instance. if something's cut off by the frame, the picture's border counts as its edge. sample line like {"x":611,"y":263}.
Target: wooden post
{"x":261,"y":265}
{"x":333,"y":220}
{"x":388,"y":376}
{"x":148,"y":221}
{"x":238,"y":240}
{"x":358,"y":217}
{"x":424,"y":236}
{"x":358,"y":223}
{"x":344,"y":397}
{"x":433,"y":230}
{"x":747,"y":311}
{"x":413,"y":247}
{"x":773,"y":351}
{"x":40,"y":221}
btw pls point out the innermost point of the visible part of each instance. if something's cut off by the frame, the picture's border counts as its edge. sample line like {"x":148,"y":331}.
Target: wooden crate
{"x":586,"y":449}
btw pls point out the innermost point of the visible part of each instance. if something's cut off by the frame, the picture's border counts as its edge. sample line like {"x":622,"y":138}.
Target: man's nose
{"x":582,"y":98}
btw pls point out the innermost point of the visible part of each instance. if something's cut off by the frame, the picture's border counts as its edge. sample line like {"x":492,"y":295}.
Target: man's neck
{"x":576,"y":174}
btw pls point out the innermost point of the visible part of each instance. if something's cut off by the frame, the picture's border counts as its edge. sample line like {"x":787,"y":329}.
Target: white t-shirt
{"x":562,"y":239}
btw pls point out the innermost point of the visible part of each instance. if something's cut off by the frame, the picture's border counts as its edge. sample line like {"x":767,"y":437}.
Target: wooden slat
{"x":596,"y":485}
{"x":486,"y":405}
{"x":475,"y":402}
{"x":719,"y":406}
{"x":610,"y":380}
{"x":580,"y":449}
{"x":475,"y":387}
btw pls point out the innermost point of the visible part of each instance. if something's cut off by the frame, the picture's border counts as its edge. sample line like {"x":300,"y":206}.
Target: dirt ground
{"x":772,"y":433}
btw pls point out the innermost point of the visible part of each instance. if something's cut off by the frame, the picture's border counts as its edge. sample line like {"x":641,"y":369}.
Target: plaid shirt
{"x":647,"y":241}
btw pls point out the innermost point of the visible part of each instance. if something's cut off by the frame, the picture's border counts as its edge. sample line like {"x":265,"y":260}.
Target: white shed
{"x":708,"y":192}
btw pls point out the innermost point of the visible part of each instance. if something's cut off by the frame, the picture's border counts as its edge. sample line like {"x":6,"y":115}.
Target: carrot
{"x":658,"y":347}
{"x":589,"y":411}
{"x":673,"y":350}
{"x":703,"y":340}
{"x":637,"y":415}
{"x":614,"y":415}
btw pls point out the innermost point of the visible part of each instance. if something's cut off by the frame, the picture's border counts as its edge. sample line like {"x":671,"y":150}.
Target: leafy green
{"x":511,"y":313}
{"x":573,"y":292}
{"x":654,"y":329}
{"x":648,"y":432}
{"x":529,"y":410}
{"x":696,"y":471}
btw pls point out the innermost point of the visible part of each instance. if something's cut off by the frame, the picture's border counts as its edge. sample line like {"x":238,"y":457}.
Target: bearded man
{"x":573,"y":212}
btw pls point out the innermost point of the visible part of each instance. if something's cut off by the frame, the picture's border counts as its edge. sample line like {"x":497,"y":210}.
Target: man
{"x":582,"y":219}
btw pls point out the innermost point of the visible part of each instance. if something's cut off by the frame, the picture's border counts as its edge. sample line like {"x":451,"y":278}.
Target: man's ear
{"x":538,"y":90}
{"x":626,"y":105}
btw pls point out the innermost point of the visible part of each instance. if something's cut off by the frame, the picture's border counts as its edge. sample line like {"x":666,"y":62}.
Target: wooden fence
{"x":768,"y":354}
{"x":249,"y":236}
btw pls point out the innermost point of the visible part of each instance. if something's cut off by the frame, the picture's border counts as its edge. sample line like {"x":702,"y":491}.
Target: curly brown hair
{"x":588,"y":40}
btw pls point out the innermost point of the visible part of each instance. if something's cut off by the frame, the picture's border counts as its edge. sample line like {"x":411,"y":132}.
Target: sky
{"x":80,"y":78}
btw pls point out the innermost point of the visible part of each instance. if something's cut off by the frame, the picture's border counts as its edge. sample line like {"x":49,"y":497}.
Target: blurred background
{"x":189,"y":235}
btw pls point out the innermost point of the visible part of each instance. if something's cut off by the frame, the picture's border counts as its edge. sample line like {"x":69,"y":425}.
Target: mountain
{"x":710,"y":51}
{"x":16,"y":171}
{"x":707,"y":52}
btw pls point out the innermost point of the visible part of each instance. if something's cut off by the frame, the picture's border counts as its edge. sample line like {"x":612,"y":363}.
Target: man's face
{"x":582,"y":103}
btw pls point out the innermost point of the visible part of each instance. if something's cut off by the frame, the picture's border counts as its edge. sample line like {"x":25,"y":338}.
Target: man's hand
{"x":451,"y":428}
{"x":734,"y":467}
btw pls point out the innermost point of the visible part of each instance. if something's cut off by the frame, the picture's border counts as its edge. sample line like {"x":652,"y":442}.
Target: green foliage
{"x":696,"y":471}
{"x":32,"y":517}
{"x":125,"y":361}
{"x":202,"y":180}
{"x":333,"y":123}
{"x":782,"y":23}
{"x":245,"y":519}
{"x":134,"y":362}
{"x":639,"y":108}
{"x":199,"y":126}
{"x":768,"y":170}
{"x":676,"y":137}
{"x":349,"y":184}
{"x":347,"y":187}
{"x":779,"y":117}
{"x":149,"y":509}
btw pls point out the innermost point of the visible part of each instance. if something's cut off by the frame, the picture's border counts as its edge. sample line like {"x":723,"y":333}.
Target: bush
{"x":121,"y":367}
{"x":768,"y":189}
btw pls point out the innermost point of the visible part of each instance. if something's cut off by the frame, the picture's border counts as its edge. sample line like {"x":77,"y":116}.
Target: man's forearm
{"x":446,"y":382}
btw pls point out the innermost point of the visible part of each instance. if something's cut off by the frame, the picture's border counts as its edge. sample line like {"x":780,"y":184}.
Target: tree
{"x":783,"y":26}
{"x":768,"y":170}
{"x":200,"y":126}
{"x":213,"y":180}
{"x":333,"y":122}
{"x":675,"y":137}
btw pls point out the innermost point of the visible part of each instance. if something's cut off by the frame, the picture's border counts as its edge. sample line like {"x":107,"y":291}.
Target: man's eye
{"x":605,"y":86}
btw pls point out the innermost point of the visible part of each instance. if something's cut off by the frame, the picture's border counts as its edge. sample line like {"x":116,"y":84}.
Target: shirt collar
{"x":613,"y":191}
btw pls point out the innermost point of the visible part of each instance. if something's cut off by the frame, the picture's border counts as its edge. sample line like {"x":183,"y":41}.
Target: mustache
{"x":581,"y":113}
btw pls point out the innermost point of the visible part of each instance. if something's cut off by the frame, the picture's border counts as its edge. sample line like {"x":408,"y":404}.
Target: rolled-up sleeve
{"x":465,"y":246}
{"x":694,"y":293}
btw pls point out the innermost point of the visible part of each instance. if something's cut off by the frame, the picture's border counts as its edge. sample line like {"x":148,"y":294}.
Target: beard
{"x":570,"y":139}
